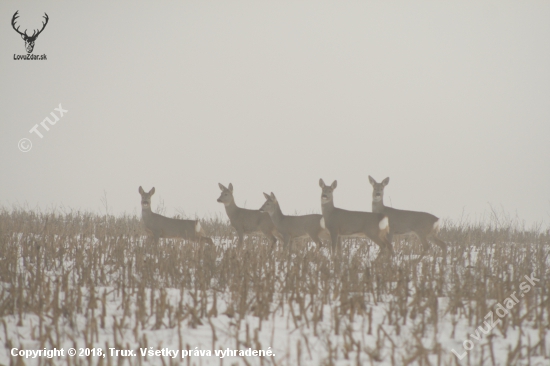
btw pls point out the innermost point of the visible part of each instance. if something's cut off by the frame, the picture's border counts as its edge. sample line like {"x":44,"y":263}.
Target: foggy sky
{"x":450,"y":100}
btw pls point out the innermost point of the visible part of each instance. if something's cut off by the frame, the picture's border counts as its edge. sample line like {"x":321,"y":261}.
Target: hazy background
{"x":450,"y":100}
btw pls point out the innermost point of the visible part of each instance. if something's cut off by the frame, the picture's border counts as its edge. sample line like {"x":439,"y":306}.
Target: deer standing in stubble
{"x":293,"y":227}
{"x":344,"y":223}
{"x":158,"y":226}
{"x":423,"y":224}
{"x":246,"y":221}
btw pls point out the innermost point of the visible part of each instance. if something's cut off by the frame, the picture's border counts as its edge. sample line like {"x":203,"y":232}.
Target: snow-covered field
{"x":101,"y":289}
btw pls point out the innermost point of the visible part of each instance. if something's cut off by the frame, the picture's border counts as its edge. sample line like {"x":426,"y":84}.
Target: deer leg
{"x":383,"y":244}
{"x":240,"y":234}
{"x":440,"y":243}
{"x":334,"y":239}
{"x":202,"y":237}
{"x":380,"y":237}
{"x":271,"y":239}
{"x":425,"y":243}
{"x":316,"y":240}
{"x":286,"y":242}
{"x":289,"y":244}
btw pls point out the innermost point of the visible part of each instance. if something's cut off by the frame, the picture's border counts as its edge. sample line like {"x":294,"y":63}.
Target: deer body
{"x":158,"y":226}
{"x":293,"y":227}
{"x":246,"y":221}
{"x":342,"y":223}
{"x":423,"y":224}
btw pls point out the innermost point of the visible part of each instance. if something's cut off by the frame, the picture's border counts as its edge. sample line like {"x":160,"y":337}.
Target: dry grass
{"x":63,"y":276}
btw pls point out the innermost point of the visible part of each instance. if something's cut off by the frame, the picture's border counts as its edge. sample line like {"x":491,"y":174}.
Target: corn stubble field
{"x":85,"y":280}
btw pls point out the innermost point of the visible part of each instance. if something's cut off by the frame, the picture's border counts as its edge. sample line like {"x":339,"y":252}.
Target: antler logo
{"x":29,"y":40}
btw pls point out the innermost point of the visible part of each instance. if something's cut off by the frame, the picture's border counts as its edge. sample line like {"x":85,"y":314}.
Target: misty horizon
{"x":448,"y":100}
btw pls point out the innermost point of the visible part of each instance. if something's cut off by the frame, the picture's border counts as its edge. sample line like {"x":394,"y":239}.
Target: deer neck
{"x":231,"y":208}
{"x":378,"y":206}
{"x":276,"y":215}
{"x":327,"y":207}
{"x":146,"y":212}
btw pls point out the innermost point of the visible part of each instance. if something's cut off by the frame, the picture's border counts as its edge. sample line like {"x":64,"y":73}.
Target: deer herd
{"x":380,"y":225}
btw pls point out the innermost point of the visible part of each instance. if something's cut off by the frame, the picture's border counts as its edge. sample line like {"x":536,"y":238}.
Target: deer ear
{"x":230,"y":187}
{"x":23,"y":36}
{"x":222,"y":188}
{"x":267,"y":196}
{"x":386,"y":181}
{"x":321,"y":183}
{"x":141,"y":190}
{"x":333,"y":185}
{"x":371,"y":180}
{"x":273,"y":197}
{"x":152,"y":191}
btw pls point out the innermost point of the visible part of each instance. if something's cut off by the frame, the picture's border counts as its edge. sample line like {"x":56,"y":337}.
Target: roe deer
{"x":158,"y":226}
{"x":341,"y":222}
{"x":423,"y":224}
{"x":292,"y":227}
{"x":246,"y":221}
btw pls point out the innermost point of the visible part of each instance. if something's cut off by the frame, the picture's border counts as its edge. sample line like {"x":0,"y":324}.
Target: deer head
{"x":29,"y":40}
{"x":270,"y":204}
{"x":326,"y":196}
{"x":227,"y":194}
{"x":146,"y":198}
{"x":378,"y":189}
